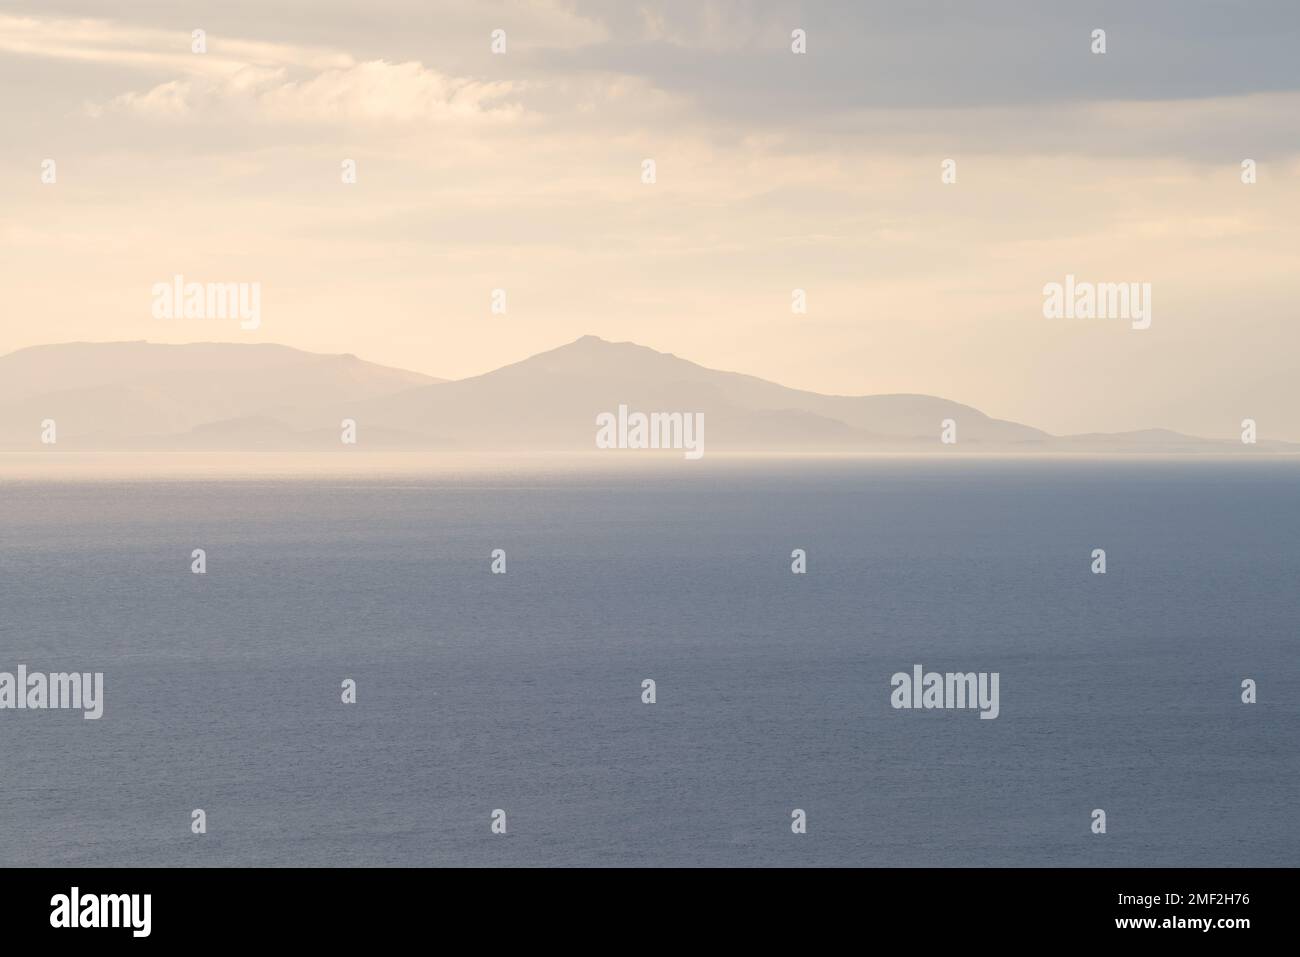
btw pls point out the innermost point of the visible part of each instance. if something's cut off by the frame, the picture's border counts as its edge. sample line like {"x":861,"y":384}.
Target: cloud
{"x":734,"y":55}
{"x":372,"y":92}
{"x":150,"y":49}
{"x":379,"y":91}
{"x":253,"y":80}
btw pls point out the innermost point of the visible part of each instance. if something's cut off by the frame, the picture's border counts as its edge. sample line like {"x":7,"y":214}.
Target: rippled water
{"x":523,"y":691}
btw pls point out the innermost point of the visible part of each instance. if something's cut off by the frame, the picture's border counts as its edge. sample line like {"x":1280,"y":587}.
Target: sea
{"x":519,"y":698}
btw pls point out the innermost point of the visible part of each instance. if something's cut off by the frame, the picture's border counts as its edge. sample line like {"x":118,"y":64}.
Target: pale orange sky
{"x":522,"y":171}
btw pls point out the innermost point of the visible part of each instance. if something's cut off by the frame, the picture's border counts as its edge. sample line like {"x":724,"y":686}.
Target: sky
{"x":774,"y":171}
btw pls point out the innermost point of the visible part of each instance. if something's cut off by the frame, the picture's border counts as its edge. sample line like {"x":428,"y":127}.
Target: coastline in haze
{"x":133,"y":397}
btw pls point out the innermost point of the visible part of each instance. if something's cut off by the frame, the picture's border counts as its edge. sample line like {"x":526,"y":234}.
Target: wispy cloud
{"x":372,"y":92}
{"x":153,"y":50}
{"x":275,"y":82}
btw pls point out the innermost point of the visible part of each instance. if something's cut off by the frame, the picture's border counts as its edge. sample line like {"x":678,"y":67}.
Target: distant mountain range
{"x":218,"y":396}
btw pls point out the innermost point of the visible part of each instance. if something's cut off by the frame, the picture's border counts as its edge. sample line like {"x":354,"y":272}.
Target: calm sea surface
{"x":523,"y":691}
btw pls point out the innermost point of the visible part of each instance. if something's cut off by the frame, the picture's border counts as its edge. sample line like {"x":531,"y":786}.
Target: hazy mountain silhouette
{"x":550,"y":401}
{"x":215,"y":394}
{"x":266,"y":397}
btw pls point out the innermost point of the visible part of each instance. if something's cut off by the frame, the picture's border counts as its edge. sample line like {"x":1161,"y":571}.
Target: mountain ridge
{"x":259,"y":396}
